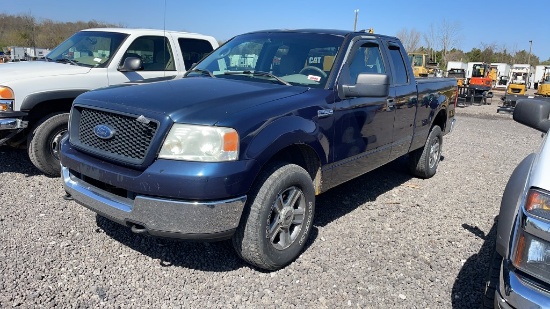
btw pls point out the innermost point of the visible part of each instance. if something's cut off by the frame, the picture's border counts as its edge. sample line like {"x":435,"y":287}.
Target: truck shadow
{"x":220,"y":256}
{"x":16,"y":161}
{"x":467,"y":291}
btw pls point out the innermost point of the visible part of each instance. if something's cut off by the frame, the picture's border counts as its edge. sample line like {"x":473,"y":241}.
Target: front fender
{"x":36,"y":98}
{"x":511,"y":201}
{"x":284,"y":132}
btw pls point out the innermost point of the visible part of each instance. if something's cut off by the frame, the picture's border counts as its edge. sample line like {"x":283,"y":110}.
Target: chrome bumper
{"x":158,"y":216}
{"x":521,"y":294}
{"x":12,"y":124}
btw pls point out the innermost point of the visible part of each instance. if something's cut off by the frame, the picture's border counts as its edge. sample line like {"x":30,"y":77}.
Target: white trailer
{"x":502,"y":75}
{"x":457,"y":65}
{"x":35,"y":53}
{"x":17,"y":53}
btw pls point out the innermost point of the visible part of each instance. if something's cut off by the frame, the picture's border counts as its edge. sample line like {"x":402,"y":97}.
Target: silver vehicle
{"x":520,"y":275}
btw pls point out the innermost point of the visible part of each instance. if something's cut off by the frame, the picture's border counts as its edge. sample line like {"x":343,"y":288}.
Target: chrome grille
{"x":131,"y":140}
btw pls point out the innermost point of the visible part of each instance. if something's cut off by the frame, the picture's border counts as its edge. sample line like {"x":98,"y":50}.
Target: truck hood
{"x":12,"y":71}
{"x":197,"y":100}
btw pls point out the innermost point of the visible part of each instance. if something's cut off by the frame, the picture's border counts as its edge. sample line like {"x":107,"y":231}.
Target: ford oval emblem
{"x":104,"y":131}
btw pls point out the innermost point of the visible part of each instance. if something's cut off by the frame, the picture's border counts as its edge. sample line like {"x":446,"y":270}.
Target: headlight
{"x":200,"y":143}
{"x":532,"y":255}
{"x":538,"y":203}
{"x":6,"y":99}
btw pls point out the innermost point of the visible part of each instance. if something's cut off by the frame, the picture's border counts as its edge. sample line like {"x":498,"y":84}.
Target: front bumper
{"x":516,"y":291}
{"x":9,"y":127}
{"x":12,"y":124}
{"x":162,"y":217}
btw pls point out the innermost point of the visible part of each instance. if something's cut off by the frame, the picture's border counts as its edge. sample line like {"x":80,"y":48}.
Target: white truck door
{"x":157,"y":57}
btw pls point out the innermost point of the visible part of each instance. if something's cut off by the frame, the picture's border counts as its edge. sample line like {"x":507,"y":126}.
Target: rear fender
{"x":511,"y":201}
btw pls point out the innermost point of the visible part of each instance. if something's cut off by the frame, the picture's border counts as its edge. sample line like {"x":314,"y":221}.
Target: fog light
{"x":6,"y":105}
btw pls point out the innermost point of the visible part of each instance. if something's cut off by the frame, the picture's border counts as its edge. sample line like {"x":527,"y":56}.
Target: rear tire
{"x":423,"y":162}
{"x":43,"y":144}
{"x":277,"y":219}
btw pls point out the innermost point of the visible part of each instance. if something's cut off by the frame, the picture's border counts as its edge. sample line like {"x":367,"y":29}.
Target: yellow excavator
{"x":422,"y":65}
{"x":544,"y":84}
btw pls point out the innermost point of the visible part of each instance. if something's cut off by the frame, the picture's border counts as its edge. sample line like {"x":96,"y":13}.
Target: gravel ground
{"x":384,"y":240}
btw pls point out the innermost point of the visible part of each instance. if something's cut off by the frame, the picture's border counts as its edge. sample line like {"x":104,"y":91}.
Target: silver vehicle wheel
{"x":434,"y":153}
{"x":286,"y":218}
{"x":278,"y":217}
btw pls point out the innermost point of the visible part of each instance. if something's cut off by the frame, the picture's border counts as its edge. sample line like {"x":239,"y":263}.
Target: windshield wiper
{"x":67,"y":60}
{"x":259,"y":73}
{"x":202,"y":71}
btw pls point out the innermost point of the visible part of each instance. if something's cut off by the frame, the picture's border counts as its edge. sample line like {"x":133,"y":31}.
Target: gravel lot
{"x":384,"y":240}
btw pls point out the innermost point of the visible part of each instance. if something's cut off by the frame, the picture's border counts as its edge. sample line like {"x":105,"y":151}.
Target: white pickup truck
{"x":36,"y":97}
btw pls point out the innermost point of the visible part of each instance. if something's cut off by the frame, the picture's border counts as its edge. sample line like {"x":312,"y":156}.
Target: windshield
{"x":88,"y":48}
{"x":286,"y":58}
{"x":416,"y":60}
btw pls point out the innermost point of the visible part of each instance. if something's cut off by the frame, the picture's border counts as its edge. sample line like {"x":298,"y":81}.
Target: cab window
{"x":367,"y":59}
{"x":154,"y":51}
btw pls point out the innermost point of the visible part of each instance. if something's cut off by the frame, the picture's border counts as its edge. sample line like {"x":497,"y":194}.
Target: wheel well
{"x":48,"y":107}
{"x":441,"y":120}
{"x":304,"y":156}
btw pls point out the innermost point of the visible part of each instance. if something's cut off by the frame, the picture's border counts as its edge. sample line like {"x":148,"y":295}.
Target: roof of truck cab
{"x":138,"y":30}
{"x":324,"y":31}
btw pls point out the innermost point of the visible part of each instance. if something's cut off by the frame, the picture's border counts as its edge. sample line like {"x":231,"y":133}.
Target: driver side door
{"x":363,"y":125}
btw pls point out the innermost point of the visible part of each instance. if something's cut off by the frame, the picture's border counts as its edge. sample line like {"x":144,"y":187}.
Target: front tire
{"x":44,"y":143}
{"x":491,"y":282}
{"x":423,"y":162}
{"x":278,"y":217}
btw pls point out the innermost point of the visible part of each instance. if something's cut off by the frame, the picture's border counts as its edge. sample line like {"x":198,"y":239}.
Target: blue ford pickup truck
{"x":240,"y":146}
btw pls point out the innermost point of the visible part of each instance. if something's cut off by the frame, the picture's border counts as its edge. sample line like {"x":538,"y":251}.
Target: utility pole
{"x":355,"y":23}
{"x":529,"y":64}
{"x":529,"y":57}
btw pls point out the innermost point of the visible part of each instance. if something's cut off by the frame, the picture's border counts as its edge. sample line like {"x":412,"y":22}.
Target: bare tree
{"x":448,"y":35}
{"x":430,"y":38}
{"x":409,"y":38}
{"x":488,"y":52}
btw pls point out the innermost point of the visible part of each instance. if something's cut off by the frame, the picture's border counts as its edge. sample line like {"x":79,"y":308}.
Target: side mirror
{"x":533,"y":113}
{"x":368,"y":85}
{"x":130,"y":64}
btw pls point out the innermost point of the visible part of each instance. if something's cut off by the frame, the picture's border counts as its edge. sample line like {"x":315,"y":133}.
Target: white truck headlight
{"x":6,"y":99}
{"x":532,"y":255}
{"x":200,"y":143}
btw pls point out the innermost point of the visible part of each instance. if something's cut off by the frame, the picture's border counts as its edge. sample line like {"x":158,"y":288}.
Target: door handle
{"x":390,"y":104}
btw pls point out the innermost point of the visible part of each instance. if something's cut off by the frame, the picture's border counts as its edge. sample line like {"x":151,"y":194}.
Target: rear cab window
{"x":401,"y":75}
{"x":193,"y":50}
